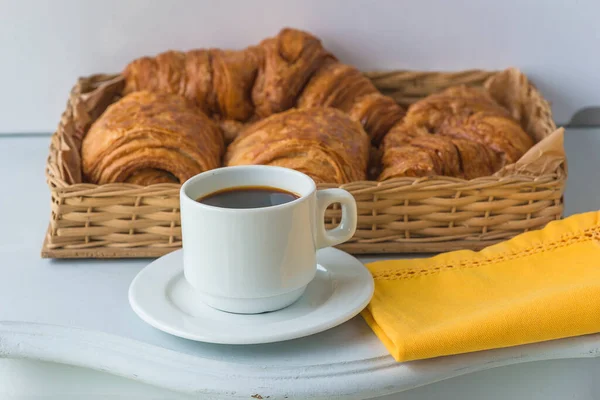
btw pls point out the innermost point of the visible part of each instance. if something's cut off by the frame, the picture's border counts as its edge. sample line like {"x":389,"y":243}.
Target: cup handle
{"x":345,"y":230}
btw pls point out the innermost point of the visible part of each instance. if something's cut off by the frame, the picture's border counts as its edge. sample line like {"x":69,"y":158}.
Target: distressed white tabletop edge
{"x":188,"y":374}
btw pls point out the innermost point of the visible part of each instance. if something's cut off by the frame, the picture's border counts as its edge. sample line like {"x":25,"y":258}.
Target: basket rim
{"x":433,"y":183}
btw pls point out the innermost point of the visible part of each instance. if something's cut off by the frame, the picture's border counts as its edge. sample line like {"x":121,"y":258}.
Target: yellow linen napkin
{"x":538,"y":286}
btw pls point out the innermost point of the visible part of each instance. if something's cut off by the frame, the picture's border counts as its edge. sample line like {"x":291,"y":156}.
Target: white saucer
{"x":161,"y":296}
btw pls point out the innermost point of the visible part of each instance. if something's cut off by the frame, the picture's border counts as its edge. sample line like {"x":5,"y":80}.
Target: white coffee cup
{"x":255,"y":260}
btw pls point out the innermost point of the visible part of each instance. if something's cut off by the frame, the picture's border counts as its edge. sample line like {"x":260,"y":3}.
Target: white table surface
{"x":76,"y":313}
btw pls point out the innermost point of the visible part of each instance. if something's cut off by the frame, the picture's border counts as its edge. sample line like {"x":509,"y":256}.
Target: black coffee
{"x":248,"y":197}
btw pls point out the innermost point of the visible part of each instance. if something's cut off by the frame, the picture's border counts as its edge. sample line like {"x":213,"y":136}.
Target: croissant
{"x":501,"y":133}
{"x":219,"y":82}
{"x":324,"y":143}
{"x":289,"y":60}
{"x":346,"y":88}
{"x":460,"y":132}
{"x":335,"y":85}
{"x":196,"y":82}
{"x":291,"y":69}
{"x":434,"y":110}
{"x":233,"y":73}
{"x":163,"y":73}
{"x":229,"y":84}
{"x":149,"y":138}
{"x":437,"y":155}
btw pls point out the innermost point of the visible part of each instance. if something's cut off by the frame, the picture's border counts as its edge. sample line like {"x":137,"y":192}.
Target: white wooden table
{"x":67,"y":332}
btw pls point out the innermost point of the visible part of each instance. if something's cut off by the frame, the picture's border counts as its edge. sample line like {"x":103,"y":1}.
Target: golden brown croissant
{"x":197,"y":80}
{"x":434,"y":110}
{"x":335,"y":85}
{"x":146,"y":137}
{"x":438,"y":155}
{"x":217,"y":81}
{"x":460,"y":132}
{"x":324,"y":143}
{"x":163,"y":73}
{"x":289,"y":60}
{"x":500,"y":133}
{"x":233,"y":75}
{"x":472,"y":114}
{"x":344,"y":87}
{"x":229,"y":84}
{"x":290,"y":69}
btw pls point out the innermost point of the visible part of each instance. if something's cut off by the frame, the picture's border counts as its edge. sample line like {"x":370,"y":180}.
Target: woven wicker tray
{"x":401,"y":215}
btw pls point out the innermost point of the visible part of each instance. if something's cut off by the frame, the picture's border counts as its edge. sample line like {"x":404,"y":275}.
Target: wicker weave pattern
{"x":399,"y":215}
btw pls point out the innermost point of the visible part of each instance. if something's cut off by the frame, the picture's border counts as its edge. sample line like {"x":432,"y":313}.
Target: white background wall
{"x":46,"y":45}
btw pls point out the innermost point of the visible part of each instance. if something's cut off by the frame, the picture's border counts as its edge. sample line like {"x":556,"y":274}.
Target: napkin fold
{"x":538,"y":286}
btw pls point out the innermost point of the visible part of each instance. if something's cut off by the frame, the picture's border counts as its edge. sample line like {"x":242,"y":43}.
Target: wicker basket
{"x":396,"y":216}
